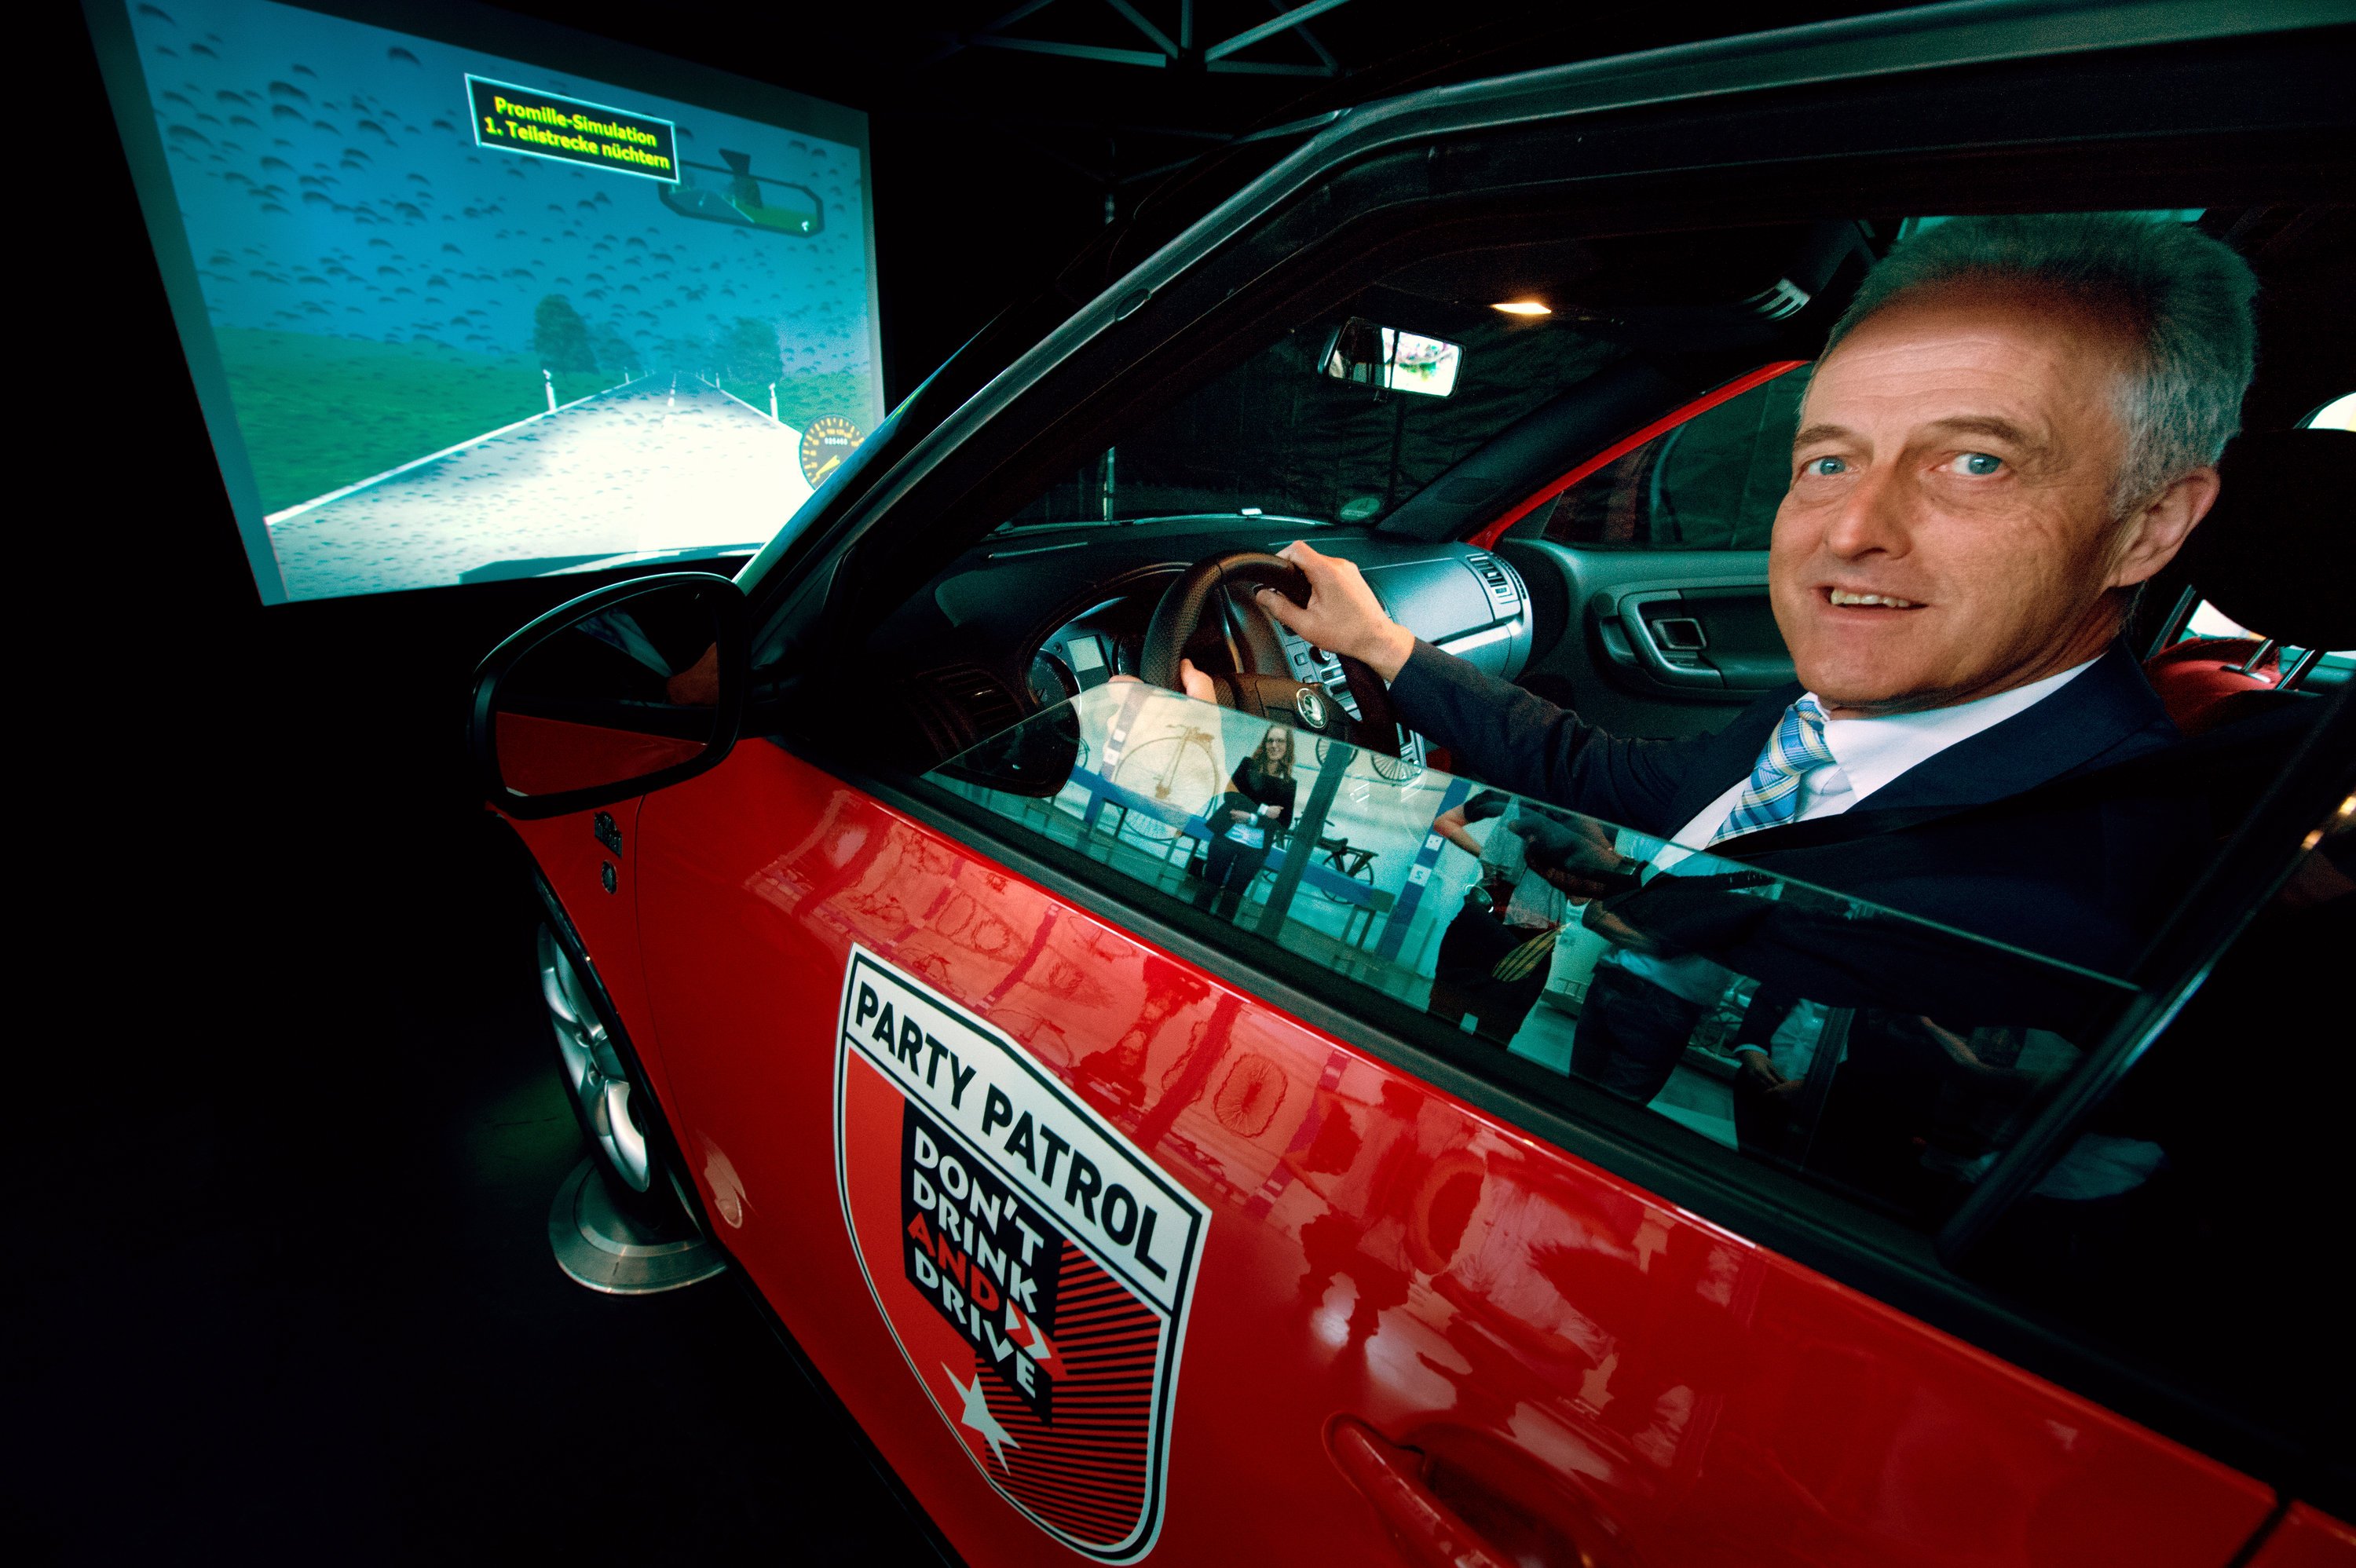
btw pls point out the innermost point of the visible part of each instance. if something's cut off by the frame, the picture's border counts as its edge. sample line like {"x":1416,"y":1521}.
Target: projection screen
{"x":472,"y":297}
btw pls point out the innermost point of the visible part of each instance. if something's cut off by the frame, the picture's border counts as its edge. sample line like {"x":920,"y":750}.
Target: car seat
{"x":2274,"y":554}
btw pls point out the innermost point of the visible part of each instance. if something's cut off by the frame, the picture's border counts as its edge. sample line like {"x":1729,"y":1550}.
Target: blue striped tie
{"x":1771,"y":797}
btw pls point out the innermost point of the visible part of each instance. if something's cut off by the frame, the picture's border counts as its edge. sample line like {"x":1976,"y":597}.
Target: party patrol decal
{"x":1034,"y":1266}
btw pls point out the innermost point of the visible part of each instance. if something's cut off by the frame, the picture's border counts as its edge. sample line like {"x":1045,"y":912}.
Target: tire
{"x":615,"y":1114}
{"x":625,"y":1222}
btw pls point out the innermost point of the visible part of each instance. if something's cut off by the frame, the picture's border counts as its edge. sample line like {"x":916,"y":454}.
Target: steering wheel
{"x":1278,"y":698}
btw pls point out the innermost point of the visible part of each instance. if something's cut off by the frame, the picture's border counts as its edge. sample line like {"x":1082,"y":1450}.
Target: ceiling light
{"x":1522,"y":307}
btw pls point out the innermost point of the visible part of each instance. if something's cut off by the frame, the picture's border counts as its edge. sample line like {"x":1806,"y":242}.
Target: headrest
{"x":2277,"y":553}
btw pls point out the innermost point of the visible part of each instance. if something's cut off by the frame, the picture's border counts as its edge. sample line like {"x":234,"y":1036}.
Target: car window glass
{"x":1278,"y":436}
{"x":2239,"y":1110}
{"x":1866,"y":1049}
{"x":1712,"y":482}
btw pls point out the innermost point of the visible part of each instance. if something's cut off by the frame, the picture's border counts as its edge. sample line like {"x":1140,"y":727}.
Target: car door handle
{"x":1669,"y":659}
{"x":1391,"y":1478}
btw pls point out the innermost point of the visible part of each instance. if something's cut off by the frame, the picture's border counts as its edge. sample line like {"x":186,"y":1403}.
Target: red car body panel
{"x":2306,"y":1539}
{"x":572,"y":859}
{"x":548,"y":756}
{"x":1386,"y":1266}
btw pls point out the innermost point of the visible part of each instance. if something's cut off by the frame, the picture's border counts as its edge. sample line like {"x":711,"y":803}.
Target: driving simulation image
{"x":478,"y":319}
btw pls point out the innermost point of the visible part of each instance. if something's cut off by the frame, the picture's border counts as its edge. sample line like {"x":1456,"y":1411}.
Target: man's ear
{"x":2153,"y":534}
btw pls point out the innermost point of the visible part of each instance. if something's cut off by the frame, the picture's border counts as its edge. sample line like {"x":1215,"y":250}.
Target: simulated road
{"x":663,"y":462}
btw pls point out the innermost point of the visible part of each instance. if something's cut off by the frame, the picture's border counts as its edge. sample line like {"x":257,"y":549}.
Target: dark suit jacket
{"x":2084,"y":879}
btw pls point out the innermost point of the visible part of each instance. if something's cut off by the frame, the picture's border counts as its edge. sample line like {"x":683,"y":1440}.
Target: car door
{"x":1400,"y":1318}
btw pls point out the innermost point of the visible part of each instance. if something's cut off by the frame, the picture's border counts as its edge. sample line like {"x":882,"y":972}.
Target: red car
{"x":1097,"y":1127}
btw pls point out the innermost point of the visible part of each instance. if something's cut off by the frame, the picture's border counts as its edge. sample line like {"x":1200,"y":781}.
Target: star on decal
{"x":977,"y":1416}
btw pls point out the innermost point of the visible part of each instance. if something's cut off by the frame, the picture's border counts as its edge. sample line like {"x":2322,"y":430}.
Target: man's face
{"x":1947,"y":534}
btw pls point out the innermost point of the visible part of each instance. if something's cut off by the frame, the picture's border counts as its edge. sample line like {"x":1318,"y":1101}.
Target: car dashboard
{"x":1045,"y":614}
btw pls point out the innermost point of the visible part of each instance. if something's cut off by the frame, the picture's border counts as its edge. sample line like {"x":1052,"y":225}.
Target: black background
{"x":293,"y":1126}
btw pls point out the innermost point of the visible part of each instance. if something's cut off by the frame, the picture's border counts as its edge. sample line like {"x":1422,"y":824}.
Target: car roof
{"x":1884,"y":43}
{"x":1877,"y":45}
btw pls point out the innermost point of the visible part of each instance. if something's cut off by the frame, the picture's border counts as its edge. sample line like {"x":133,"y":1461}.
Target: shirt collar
{"x":1872,"y":751}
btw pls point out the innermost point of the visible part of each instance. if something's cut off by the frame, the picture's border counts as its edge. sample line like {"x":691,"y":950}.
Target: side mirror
{"x":619,"y":692}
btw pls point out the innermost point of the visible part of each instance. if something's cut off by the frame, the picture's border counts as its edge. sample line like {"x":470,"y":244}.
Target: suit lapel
{"x":2108,"y":707}
{"x":2105,"y":716}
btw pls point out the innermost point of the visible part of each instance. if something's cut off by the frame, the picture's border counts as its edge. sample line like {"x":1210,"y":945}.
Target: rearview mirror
{"x":1385,"y":356}
{"x":619,"y":692}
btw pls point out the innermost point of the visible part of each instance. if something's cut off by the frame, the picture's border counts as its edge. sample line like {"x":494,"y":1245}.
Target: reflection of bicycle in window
{"x":1344,"y":859}
{"x":1177,"y":771}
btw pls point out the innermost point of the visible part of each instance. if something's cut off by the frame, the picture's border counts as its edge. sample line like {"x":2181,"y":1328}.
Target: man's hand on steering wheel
{"x":1364,"y":720}
{"x":1343,"y":614}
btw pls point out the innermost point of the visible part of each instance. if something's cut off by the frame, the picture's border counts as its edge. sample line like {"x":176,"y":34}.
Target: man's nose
{"x":1870,"y":518}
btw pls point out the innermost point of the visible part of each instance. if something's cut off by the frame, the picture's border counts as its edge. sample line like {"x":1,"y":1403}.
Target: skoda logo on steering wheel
{"x":1311,"y":704}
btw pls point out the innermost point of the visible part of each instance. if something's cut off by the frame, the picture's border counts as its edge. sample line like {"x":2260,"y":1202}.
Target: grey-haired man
{"x":2016,"y":422}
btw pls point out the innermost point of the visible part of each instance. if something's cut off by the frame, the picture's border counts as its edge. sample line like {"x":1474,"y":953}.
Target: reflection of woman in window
{"x":1257,"y":802}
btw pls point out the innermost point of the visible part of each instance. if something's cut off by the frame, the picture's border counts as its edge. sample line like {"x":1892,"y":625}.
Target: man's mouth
{"x":1845,"y":598}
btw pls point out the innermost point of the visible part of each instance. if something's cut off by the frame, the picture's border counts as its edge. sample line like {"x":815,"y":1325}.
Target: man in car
{"x":2016,"y":422}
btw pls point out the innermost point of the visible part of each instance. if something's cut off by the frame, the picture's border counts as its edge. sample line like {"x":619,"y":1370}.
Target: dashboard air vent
{"x":1504,"y":591}
{"x":957,"y":704}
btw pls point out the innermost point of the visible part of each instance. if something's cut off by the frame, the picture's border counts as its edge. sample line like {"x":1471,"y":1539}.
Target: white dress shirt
{"x":1867,"y":754}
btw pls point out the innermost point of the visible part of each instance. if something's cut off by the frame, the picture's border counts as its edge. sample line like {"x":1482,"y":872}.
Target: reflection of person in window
{"x":1257,"y":805}
{"x":1776,"y":1043}
{"x":1535,"y":865}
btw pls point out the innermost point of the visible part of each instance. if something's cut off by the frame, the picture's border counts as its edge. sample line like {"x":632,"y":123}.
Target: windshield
{"x":1865,"y":1049}
{"x":1282,"y":436}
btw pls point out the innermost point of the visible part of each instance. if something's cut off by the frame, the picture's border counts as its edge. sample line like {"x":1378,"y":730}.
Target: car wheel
{"x":624,"y":1223}
{"x":602,"y":1095}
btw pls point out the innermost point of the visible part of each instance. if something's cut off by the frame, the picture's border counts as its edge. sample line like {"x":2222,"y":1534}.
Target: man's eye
{"x":1978,"y":464}
{"x":1823,"y":467}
